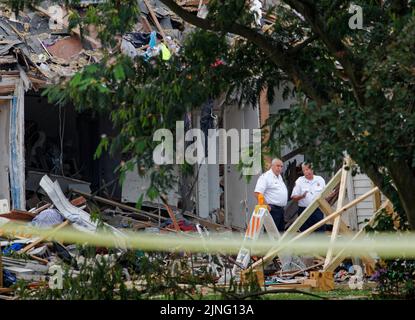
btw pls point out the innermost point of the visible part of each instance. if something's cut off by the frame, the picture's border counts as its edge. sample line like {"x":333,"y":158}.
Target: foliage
{"x":135,"y":275}
{"x":395,"y":278}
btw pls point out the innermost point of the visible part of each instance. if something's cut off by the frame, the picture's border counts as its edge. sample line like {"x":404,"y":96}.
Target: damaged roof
{"x":37,"y":42}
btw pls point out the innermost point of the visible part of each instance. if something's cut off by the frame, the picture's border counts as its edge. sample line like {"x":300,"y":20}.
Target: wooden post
{"x":335,"y":214}
{"x":376,"y":200}
{"x":353,"y":221}
{"x":337,"y":220}
{"x":324,"y":280}
{"x":247,"y":274}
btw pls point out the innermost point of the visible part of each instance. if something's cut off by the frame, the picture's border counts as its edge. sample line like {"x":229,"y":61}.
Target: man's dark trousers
{"x":315,"y":217}
{"x":277,"y":214}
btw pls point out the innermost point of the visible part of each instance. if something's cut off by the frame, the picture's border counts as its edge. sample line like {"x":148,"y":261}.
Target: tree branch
{"x":302,"y":45}
{"x":337,"y":48}
{"x":282,"y":58}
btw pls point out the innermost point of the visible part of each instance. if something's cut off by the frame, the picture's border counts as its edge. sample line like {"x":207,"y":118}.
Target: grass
{"x":339,"y":294}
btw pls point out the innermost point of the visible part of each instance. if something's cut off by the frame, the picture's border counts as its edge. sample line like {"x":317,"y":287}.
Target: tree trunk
{"x":404,"y":182}
{"x":403,"y":189}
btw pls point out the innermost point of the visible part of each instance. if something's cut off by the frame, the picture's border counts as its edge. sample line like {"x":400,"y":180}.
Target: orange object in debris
{"x":261,"y":199}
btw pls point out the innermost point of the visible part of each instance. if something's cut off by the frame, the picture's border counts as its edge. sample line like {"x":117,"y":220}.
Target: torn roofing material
{"x":39,"y":39}
{"x":78,"y":217}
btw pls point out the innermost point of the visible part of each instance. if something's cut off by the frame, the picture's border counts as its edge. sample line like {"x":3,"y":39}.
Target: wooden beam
{"x":274,"y":252}
{"x":171,"y":214}
{"x":324,"y":280}
{"x":43,"y":238}
{"x":335,"y":214}
{"x":376,"y":200}
{"x":337,"y":220}
{"x":340,"y":256}
{"x":156,"y":21}
{"x":43,"y":261}
{"x":207,"y":223}
{"x":119,"y":205}
{"x":353,"y":221}
{"x":146,"y":24}
{"x":18,"y":215}
{"x":325,"y":207}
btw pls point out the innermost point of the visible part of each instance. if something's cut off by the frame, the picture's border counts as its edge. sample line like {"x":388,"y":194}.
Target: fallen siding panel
{"x":80,"y":219}
{"x":16,"y":138}
{"x":4,"y":150}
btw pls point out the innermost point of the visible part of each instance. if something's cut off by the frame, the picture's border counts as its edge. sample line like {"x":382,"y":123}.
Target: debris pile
{"x":40,"y":44}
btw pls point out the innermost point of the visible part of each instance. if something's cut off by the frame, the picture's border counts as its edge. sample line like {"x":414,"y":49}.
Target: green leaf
{"x":119,"y":72}
{"x":139,"y":201}
{"x":152,"y":192}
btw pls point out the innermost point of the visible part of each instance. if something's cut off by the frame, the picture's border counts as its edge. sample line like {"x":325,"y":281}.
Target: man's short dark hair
{"x":307,"y":164}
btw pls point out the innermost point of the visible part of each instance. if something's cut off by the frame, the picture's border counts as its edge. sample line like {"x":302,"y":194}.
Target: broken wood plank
{"x":287,"y":286}
{"x":19,"y":215}
{"x":171,"y":214}
{"x":8,"y":60}
{"x":156,"y":21}
{"x":43,"y":261}
{"x":206,"y":223}
{"x":119,"y":205}
{"x":146,"y":24}
{"x":80,"y":201}
{"x":43,"y":238}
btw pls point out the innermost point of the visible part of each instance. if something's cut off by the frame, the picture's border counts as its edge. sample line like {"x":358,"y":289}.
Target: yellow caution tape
{"x":390,"y":245}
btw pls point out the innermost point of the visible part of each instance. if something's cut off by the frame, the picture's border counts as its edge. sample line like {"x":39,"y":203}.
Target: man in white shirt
{"x":271,"y":187}
{"x":306,"y":189}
